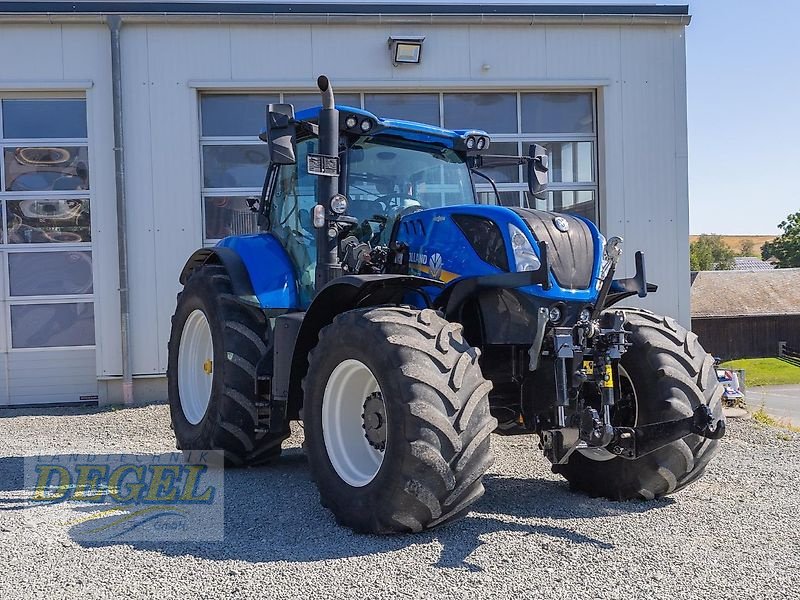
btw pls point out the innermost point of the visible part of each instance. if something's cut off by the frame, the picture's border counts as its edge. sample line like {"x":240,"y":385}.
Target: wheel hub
{"x":374,"y":421}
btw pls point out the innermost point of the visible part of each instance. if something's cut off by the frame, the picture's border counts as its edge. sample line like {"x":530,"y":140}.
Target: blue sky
{"x":743,"y":72}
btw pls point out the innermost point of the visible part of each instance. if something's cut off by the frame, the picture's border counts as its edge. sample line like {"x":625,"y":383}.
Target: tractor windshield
{"x":387,"y":178}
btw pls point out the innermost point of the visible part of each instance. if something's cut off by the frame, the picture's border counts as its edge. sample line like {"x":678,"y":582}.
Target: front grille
{"x":571,"y":252}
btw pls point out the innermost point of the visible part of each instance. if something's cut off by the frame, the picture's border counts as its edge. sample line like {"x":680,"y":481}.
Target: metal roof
{"x":354,"y":11}
{"x":751,"y":263}
{"x":222,"y":7}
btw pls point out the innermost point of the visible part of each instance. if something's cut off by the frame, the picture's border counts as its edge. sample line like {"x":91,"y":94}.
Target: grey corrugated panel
{"x":751,"y":263}
{"x":51,"y":376}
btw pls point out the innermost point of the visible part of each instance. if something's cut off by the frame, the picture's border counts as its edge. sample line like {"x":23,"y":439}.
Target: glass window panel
{"x":293,"y":199}
{"x":46,"y":168}
{"x":44,"y":118}
{"x":234,"y":114}
{"x":505,"y":174}
{"x":423,"y":108}
{"x":304,"y":101}
{"x":51,"y":325}
{"x":570,"y":162}
{"x":228,"y":215}
{"x":577,"y":202}
{"x":49,"y":273}
{"x":558,"y":112}
{"x":66,"y":220}
{"x":507,"y":198}
{"x":494,"y":113}
{"x":235,"y":166}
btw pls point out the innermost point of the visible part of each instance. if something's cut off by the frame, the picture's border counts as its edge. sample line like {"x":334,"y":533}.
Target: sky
{"x":743,"y":79}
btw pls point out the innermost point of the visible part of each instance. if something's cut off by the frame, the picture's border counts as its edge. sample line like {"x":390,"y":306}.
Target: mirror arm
{"x":490,"y":180}
{"x":306,"y":127}
{"x":265,"y":203}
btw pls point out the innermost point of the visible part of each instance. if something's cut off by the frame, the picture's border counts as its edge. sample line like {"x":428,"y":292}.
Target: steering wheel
{"x":393,"y":200}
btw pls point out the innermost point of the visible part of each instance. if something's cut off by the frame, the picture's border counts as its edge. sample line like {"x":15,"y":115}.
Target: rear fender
{"x":240,"y":279}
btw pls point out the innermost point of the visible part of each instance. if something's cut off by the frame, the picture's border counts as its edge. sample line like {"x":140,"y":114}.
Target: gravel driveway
{"x":735,"y":533}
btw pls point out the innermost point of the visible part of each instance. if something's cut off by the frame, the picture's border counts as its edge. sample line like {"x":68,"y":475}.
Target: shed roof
{"x":746,"y":293}
{"x":751,"y":263}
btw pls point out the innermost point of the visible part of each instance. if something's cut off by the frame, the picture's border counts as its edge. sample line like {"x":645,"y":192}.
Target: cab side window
{"x":293,"y":198}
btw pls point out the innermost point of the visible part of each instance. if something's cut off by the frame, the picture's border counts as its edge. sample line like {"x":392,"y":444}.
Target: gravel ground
{"x":735,"y":533}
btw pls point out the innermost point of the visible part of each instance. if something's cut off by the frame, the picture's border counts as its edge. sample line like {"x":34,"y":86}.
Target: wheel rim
{"x":601,"y":454}
{"x":351,"y":455}
{"x":195,"y":367}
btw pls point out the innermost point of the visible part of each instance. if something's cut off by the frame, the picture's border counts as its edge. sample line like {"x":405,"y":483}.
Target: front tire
{"x":671,"y":375}
{"x":396,"y":418}
{"x":215,"y":344}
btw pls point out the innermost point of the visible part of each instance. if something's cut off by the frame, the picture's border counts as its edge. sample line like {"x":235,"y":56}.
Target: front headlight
{"x":525,"y":258}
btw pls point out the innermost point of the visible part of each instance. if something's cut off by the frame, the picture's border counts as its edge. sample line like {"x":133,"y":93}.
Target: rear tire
{"x":435,"y":417}
{"x":225,"y":416}
{"x":671,"y":375}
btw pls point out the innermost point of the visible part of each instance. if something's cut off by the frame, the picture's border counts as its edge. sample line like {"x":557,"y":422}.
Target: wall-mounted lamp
{"x":406,"y":50}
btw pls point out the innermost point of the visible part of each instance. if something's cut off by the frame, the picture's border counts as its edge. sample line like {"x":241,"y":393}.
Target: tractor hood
{"x":459,"y":242}
{"x":570,"y":245}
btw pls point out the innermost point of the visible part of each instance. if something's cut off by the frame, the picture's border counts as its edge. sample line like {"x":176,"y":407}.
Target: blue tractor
{"x":403,"y":322}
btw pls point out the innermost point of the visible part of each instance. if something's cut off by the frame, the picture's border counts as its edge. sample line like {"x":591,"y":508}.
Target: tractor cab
{"x":384,"y":170}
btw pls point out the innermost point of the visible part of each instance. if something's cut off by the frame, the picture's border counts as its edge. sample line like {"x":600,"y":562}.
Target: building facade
{"x":602,"y":87}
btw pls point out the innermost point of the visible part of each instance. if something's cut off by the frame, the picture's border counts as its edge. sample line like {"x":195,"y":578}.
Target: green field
{"x":765,"y":371}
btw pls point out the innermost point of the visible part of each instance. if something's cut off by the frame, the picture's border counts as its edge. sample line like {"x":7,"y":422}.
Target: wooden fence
{"x":747,"y":337}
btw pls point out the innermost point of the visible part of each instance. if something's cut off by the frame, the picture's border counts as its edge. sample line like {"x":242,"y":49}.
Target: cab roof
{"x":409,"y":130}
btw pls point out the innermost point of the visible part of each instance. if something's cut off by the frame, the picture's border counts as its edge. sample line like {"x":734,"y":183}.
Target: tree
{"x":746,"y":248}
{"x":710,"y":253}
{"x":786,"y":247}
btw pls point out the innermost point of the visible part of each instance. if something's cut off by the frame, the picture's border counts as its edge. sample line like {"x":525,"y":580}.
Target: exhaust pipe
{"x":326,"y":90}
{"x":328,"y":263}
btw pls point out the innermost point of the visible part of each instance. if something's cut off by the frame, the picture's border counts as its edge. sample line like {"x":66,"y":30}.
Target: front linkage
{"x":598,"y":349}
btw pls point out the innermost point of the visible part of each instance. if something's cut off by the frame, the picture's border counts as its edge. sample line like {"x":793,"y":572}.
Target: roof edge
{"x":362,"y":13}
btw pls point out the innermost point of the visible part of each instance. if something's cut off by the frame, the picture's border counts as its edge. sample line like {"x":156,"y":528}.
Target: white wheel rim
{"x":601,"y":454}
{"x":195,"y":367}
{"x":351,"y":455}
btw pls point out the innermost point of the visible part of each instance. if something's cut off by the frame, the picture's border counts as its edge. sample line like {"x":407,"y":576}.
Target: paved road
{"x":782,"y":401}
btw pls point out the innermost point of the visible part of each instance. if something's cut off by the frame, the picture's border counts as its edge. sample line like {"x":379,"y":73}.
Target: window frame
{"x":520,"y":138}
{"x":7,"y":248}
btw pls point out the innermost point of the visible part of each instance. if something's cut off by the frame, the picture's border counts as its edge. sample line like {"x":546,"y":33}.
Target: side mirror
{"x":537,"y":171}
{"x":281,"y":134}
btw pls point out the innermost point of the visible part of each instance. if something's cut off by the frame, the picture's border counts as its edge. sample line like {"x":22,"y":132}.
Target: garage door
{"x":563,"y":121}
{"x":47,"y":331}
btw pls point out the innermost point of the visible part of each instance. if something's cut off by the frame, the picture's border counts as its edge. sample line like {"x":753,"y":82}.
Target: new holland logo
{"x":435,"y":265}
{"x":561,"y":224}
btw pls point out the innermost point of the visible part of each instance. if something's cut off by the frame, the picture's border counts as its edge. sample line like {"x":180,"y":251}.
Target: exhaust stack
{"x":328,"y":263}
